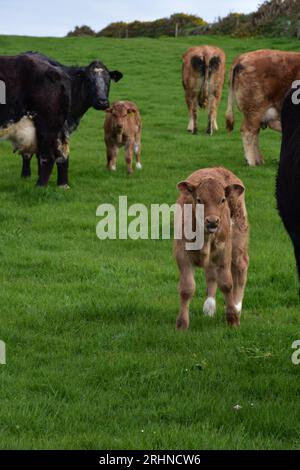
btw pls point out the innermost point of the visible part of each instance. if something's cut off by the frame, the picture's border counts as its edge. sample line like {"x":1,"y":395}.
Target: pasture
{"x":93,"y":358}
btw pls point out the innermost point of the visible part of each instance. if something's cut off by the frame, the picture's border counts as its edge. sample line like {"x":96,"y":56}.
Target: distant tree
{"x":82,"y":31}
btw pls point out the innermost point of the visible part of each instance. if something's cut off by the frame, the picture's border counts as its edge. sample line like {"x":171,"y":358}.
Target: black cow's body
{"x":288,"y":177}
{"x":40,"y":90}
{"x":85,"y":87}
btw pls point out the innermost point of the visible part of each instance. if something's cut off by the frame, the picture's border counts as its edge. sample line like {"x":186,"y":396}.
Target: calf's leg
{"x":129,"y":147}
{"x":239,"y":269}
{"x":225,"y":284}
{"x":137,"y":150}
{"x":186,"y":292}
{"x":209,"y":307}
{"x":111,"y":155}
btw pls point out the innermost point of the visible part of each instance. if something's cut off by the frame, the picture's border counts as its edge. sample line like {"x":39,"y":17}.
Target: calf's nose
{"x":212,"y":221}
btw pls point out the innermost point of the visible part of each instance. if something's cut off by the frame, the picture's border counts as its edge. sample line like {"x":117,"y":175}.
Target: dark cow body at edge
{"x":288,"y":176}
{"x":28,"y":81}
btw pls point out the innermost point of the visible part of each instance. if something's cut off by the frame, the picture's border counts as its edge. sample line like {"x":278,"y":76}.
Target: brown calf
{"x":224,"y":256}
{"x":122,"y":127}
{"x":203,"y":73}
{"x":259,"y":81}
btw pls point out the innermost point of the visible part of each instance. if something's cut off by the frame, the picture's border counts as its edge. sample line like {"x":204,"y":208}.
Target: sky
{"x":58,"y":17}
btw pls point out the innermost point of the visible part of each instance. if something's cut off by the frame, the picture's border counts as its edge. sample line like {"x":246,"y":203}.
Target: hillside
{"x":273,"y":18}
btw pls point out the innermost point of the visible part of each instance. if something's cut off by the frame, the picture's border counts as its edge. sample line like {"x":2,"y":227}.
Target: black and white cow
{"x":86,"y":87}
{"x":35,"y":109}
{"x":288,"y":176}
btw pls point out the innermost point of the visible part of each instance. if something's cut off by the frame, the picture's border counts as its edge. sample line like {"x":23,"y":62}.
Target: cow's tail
{"x":230,"y":102}
{"x":206,"y":86}
{"x":202,"y":68}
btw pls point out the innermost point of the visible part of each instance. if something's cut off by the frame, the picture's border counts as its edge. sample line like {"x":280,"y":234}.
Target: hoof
{"x":65,"y":187}
{"x":138,"y":166}
{"x":182,"y":324}
{"x":233,"y":317}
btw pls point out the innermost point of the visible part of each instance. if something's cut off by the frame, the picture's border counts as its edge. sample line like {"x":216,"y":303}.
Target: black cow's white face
{"x":99,"y":79}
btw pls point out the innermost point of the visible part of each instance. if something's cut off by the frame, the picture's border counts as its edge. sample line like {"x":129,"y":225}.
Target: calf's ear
{"x":185,"y":186}
{"x":108,"y":110}
{"x":234,"y":189}
{"x":115,"y":75}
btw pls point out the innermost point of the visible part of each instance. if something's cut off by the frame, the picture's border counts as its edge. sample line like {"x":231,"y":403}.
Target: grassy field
{"x":93,"y":358}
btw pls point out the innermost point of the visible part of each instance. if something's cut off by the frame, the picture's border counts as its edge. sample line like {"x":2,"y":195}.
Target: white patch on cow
{"x":239,"y":307}
{"x":209,"y":307}
{"x":191,"y":125}
{"x":113,"y":168}
{"x":138,"y":165}
{"x":271,"y":115}
{"x":98,"y":70}
{"x":21,"y":134}
{"x":65,"y":187}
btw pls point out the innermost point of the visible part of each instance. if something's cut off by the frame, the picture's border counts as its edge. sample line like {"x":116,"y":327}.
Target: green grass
{"x":93,"y":358}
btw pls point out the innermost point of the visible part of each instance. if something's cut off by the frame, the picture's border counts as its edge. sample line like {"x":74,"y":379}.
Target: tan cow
{"x":122,"y":127}
{"x":203,"y":73}
{"x":224,"y":255}
{"x":259,"y":81}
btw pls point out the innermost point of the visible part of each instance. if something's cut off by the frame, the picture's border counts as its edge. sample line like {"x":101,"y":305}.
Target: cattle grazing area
{"x":93,"y":359}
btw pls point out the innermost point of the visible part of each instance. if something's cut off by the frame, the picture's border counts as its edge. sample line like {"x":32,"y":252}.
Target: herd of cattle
{"x":46,"y":100}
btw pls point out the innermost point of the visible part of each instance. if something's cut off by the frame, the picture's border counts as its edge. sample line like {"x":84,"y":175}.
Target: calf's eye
{"x":223,"y":200}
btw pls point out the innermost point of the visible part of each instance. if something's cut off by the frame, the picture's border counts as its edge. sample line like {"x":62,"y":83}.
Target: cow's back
{"x":32,"y":87}
{"x":262,"y":78}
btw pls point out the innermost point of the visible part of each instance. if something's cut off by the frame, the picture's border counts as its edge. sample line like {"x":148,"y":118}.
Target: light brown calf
{"x":203,"y":73}
{"x":122,"y":127}
{"x":224,"y":256}
{"x":259,"y":81}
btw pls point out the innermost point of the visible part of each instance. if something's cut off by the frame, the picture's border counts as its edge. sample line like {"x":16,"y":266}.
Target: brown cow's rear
{"x":259,"y":81}
{"x":122,"y":127}
{"x":224,"y":255}
{"x":203,"y":73}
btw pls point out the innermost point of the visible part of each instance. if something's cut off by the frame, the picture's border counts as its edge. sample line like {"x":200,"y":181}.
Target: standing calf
{"x":122,"y":127}
{"x":224,"y":256}
{"x":203,"y":73}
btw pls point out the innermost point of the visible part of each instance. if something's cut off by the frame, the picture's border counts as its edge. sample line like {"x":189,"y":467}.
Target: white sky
{"x":57,"y":17}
